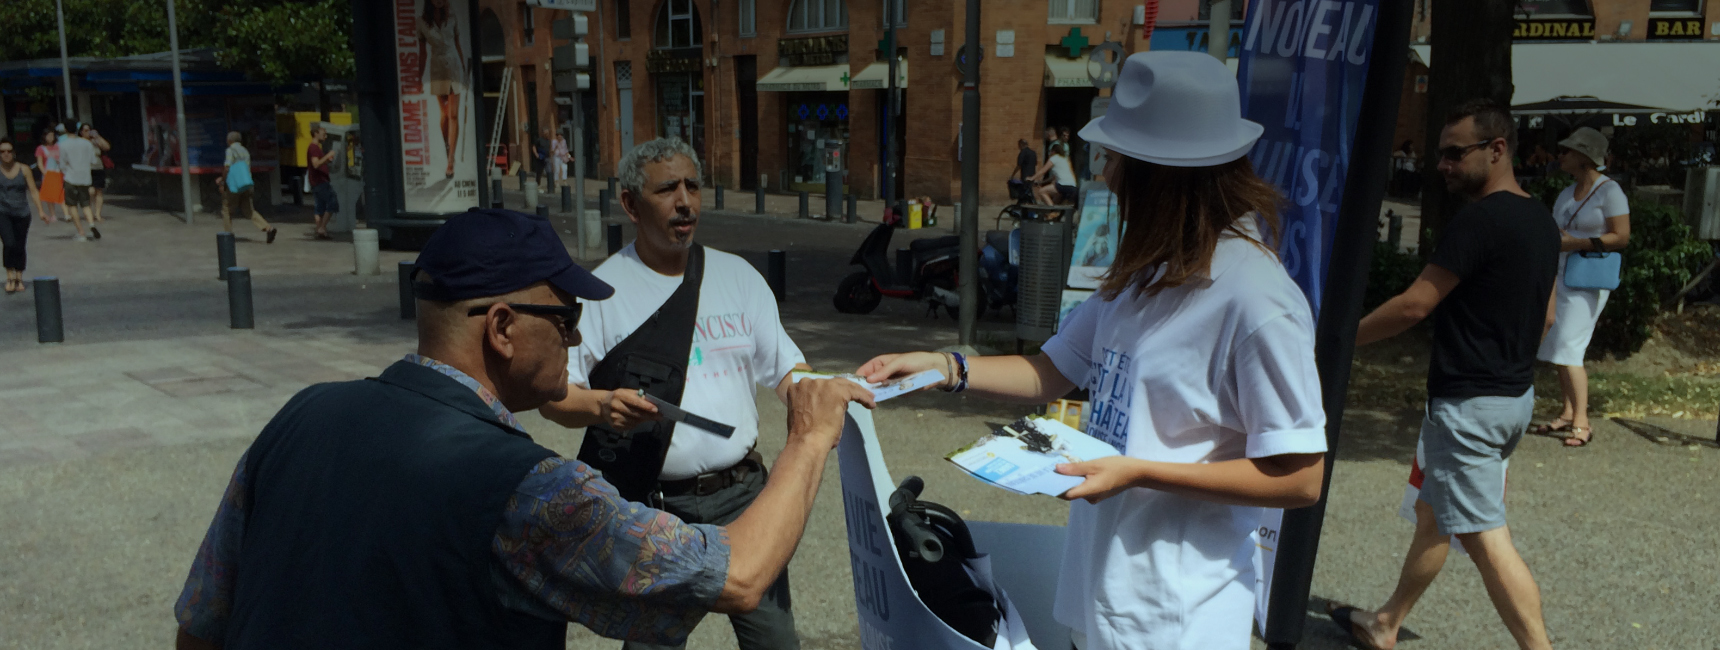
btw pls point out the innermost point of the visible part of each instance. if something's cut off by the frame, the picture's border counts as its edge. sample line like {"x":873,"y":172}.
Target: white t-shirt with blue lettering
{"x":738,"y":342}
{"x":1218,"y":369}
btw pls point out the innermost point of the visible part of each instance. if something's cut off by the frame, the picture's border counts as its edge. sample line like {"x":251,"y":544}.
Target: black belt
{"x":710,"y":483}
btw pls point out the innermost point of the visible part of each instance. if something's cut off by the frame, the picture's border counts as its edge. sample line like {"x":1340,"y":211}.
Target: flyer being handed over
{"x":1022,"y":456}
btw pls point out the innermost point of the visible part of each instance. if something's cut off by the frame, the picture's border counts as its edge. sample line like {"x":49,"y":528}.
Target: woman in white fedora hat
{"x":1593,"y":214}
{"x":1197,"y":355}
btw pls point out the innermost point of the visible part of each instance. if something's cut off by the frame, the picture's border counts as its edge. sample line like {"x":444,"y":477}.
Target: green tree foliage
{"x":1390,"y":274}
{"x":278,"y":41}
{"x":1661,"y":258}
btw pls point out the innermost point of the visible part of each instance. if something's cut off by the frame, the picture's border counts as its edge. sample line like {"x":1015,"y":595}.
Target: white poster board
{"x":438,"y":124}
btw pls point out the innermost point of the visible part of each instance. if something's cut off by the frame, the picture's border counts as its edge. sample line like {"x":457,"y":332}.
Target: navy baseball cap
{"x":483,"y":253}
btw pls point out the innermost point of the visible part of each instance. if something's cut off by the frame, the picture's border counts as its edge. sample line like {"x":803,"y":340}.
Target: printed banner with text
{"x":438,"y":129}
{"x":1302,"y":68}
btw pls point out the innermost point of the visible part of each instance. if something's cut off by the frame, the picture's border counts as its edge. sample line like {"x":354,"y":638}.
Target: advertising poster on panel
{"x":1303,"y":65}
{"x":438,"y":128}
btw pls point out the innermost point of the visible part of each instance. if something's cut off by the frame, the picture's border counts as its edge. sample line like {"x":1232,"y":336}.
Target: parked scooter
{"x":1000,"y":267}
{"x":930,"y":275}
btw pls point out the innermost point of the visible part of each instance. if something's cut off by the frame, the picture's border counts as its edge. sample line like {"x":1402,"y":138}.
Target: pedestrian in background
{"x":237,"y":188}
{"x":541,"y":153}
{"x":1489,"y":289}
{"x":53,"y":183}
{"x":1217,"y":342}
{"x":76,"y":156}
{"x":1056,"y":178}
{"x":98,"y":168}
{"x":559,"y":157}
{"x":17,"y":194}
{"x":1592,"y":214}
{"x":316,"y":159}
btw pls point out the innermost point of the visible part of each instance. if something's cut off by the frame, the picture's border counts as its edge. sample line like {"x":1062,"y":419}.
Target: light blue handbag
{"x":239,"y":176}
{"x":1596,"y":269}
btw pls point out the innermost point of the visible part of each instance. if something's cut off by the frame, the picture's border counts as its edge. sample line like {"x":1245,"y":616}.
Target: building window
{"x":527,"y":24}
{"x":1236,"y":7}
{"x":678,"y":25}
{"x":1540,"y":8}
{"x":748,"y":15}
{"x":623,"y":19}
{"x":1675,"y":6}
{"x":817,"y":15}
{"x":1074,"y":11}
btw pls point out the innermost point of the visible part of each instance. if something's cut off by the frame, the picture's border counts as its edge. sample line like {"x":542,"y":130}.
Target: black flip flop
{"x":1341,"y":617}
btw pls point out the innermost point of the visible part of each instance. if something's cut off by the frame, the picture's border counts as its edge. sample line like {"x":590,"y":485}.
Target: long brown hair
{"x":1173,"y":217}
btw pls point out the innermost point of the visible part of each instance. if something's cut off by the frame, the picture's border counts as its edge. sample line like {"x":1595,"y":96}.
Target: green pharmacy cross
{"x":1075,"y":42}
{"x":844,"y":79}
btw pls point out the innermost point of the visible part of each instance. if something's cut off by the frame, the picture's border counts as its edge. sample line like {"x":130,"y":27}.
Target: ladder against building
{"x":496,"y":130}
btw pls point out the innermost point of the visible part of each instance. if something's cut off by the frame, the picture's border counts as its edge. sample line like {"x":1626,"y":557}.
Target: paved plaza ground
{"x":115,"y":446}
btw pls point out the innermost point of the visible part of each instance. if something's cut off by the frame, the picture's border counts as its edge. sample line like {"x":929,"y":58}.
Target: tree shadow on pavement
{"x":1379,"y":435}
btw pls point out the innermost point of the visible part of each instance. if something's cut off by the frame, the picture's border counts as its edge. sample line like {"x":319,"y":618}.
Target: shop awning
{"x":877,"y":74}
{"x":1675,"y":76}
{"x":1066,"y":73}
{"x":805,"y":78}
{"x":1580,"y":106}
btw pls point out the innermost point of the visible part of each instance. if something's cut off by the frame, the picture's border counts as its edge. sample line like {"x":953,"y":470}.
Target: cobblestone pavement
{"x":114,"y":447}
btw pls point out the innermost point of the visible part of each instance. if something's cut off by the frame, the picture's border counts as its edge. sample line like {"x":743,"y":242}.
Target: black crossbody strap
{"x":653,"y":358}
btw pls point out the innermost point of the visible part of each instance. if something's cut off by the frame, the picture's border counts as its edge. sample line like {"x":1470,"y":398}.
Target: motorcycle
{"x":930,"y":274}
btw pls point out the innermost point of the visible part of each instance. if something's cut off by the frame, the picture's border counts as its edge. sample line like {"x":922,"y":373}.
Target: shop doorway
{"x":680,"y":108}
{"x":887,"y":131}
{"x":1070,"y":108}
{"x":746,"y":94}
{"x":814,"y":119}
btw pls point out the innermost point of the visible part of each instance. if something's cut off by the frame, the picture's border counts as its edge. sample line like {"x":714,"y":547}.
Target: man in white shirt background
{"x":738,"y":342}
{"x":76,"y":157}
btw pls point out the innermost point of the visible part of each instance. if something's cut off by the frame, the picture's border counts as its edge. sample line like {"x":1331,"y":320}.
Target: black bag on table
{"x":653,"y":357}
{"x":934,"y":545}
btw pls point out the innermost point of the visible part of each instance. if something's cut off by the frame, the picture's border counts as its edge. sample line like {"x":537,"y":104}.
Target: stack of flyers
{"x":886,"y":389}
{"x":1022,"y":456}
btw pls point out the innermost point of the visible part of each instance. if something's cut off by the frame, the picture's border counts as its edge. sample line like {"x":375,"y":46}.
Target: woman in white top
{"x":1056,"y":178}
{"x":1197,"y":354}
{"x":1593,"y":215}
{"x":559,"y":157}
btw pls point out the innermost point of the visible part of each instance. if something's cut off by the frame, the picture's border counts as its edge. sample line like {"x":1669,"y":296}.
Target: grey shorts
{"x":77,"y":196}
{"x":1465,"y":445}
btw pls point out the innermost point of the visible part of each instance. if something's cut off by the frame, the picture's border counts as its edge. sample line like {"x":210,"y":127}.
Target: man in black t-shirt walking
{"x":1026,"y":164}
{"x":1489,"y":290}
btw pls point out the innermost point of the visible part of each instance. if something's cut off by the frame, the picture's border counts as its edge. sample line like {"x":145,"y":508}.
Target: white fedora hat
{"x":1179,"y":109}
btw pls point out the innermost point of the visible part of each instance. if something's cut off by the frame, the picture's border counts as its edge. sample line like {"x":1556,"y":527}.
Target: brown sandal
{"x":1580,"y":436}
{"x":1557,"y":425}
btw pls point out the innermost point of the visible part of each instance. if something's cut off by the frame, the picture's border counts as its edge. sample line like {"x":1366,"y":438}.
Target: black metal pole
{"x":376,"y":83}
{"x":224,"y":254}
{"x":850,"y":215}
{"x":759,"y":193}
{"x":612,"y":182}
{"x":496,"y":194}
{"x":1335,"y":333}
{"x":614,"y":238}
{"x":567,"y":199}
{"x":776,"y":273}
{"x":543,"y":210}
{"x":803,"y":205}
{"x":719,"y":196}
{"x":408,"y":301}
{"x":886,"y":188}
{"x":603,"y":197}
{"x":50,"y":327}
{"x":239,"y":298}
{"x":968,"y":264}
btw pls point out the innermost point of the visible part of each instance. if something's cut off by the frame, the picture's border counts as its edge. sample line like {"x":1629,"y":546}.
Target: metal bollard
{"x":239,"y":298}
{"x":760,"y":207}
{"x":614,"y":238}
{"x":603,"y":203}
{"x":567,"y":198}
{"x":612,"y":182}
{"x":719,"y":196}
{"x":224,"y":254}
{"x":776,"y":272}
{"x":543,"y":211}
{"x":496,"y":194}
{"x":853,"y":212}
{"x":408,"y":301}
{"x":50,"y":328}
{"x":803,"y":205}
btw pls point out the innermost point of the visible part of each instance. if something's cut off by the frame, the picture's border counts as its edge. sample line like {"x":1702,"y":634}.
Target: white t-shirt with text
{"x":76,"y":156}
{"x":1217,"y":369}
{"x":738,"y":343}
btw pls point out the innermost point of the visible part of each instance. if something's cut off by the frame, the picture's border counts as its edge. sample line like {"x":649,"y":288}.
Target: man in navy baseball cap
{"x":494,"y":252}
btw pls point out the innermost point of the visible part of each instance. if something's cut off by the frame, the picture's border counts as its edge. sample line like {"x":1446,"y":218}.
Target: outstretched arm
{"x":1029,"y":380}
{"x":1408,"y":308}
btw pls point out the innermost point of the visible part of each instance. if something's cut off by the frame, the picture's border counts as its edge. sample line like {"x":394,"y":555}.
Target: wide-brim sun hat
{"x":1179,"y":109}
{"x":1588,"y":142}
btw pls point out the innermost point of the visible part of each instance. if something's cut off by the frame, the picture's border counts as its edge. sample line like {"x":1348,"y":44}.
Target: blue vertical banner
{"x":1302,"y":69}
{"x":1303,"y":65}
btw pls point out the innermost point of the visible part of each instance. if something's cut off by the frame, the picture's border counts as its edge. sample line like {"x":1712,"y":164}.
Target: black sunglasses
{"x":1455,"y":153}
{"x":567,"y":314}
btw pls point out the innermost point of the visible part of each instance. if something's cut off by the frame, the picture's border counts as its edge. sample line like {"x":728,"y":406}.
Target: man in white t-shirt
{"x":76,"y":156}
{"x":738,"y":343}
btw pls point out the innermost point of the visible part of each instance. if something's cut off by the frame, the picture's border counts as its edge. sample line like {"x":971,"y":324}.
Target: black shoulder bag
{"x":653,"y":357}
{"x":934,"y":545}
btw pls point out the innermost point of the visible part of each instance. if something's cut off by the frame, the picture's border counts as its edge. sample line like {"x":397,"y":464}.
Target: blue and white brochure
{"x":1022,"y":457}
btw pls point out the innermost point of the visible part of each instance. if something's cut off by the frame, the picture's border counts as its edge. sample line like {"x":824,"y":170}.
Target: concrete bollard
{"x":719,"y":196}
{"x":543,"y":211}
{"x":614,"y":238}
{"x":365,"y":258}
{"x":853,"y":210}
{"x":1394,"y":229}
{"x":225,"y":256}
{"x":50,"y":328}
{"x":803,"y":205}
{"x":496,"y":194}
{"x":408,"y":300}
{"x":530,"y":187}
{"x":239,"y":298}
{"x":567,"y":198}
{"x":776,"y":273}
{"x":759,"y":208}
{"x":593,"y":226}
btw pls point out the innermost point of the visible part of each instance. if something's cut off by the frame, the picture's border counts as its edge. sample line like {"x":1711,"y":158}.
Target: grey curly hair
{"x":632,"y":167}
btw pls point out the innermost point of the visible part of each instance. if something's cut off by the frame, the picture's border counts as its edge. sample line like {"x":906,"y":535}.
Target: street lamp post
{"x":179,"y":109}
{"x":65,"y":63}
